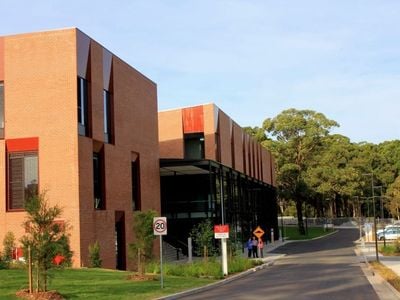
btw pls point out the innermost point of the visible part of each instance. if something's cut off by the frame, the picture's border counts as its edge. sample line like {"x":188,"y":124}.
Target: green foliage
{"x":393,"y":203}
{"x":141,"y":249}
{"x":323,"y":170}
{"x":94,"y":255}
{"x":202,"y":235}
{"x":296,"y":138}
{"x":256,"y":132}
{"x":3,"y":263}
{"x":8,"y":247}
{"x":45,"y":237}
{"x":204,"y":269}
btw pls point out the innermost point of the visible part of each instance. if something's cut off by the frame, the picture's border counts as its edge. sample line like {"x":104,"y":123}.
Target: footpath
{"x":366,"y":252}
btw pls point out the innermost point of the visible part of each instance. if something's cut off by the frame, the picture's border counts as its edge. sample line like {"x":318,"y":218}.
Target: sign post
{"x":222,"y":232}
{"x":258,"y":232}
{"x":160,"y":228}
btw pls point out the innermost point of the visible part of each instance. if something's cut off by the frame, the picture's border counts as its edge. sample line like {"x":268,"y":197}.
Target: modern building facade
{"x":211,"y":168}
{"x":81,"y":124}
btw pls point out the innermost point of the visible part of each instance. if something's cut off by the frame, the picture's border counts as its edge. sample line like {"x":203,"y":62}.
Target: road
{"x":325,"y":268}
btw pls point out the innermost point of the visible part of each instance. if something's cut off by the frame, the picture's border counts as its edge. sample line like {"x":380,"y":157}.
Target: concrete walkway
{"x":368,"y":251}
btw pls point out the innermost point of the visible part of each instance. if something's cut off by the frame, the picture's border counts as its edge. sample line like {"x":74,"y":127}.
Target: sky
{"x":252,"y":58}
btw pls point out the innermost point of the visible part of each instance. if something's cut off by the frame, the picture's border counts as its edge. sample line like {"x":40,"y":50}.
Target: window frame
{"x":83,"y":106}
{"x":24,"y":155}
{"x":108,"y":120}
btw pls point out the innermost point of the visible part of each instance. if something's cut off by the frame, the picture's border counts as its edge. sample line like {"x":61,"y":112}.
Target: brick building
{"x":81,"y":124}
{"x":211,"y":168}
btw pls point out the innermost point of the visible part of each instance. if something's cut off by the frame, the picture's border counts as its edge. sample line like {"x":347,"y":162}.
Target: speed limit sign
{"x":160,"y":225}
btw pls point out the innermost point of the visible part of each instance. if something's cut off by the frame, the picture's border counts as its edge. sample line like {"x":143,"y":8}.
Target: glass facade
{"x":210,"y":190}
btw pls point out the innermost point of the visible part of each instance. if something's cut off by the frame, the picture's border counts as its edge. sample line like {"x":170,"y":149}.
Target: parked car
{"x":392,"y":233}
{"x":388,"y":227}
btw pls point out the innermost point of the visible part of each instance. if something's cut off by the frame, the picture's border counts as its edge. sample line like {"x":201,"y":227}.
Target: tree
{"x":141,"y":249}
{"x":332,"y":175}
{"x":8,"y":247}
{"x":256,"y":132}
{"x":45,"y":237}
{"x":94,"y":255}
{"x":393,"y":203}
{"x":296,"y":137}
{"x":202,"y":235}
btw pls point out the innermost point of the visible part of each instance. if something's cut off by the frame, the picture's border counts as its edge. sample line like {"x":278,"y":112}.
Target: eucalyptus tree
{"x":295,"y":137}
{"x":393,"y":203}
{"x":331,"y":174}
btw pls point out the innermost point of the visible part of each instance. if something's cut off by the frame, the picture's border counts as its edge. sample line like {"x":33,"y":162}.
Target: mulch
{"x":49,"y":295}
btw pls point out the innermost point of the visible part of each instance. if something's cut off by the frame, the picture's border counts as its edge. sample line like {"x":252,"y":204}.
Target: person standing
{"x":261,"y":247}
{"x":254,"y":247}
{"x":249,"y":246}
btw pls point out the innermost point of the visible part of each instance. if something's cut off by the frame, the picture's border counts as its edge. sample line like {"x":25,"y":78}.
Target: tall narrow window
{"x":135,"y":170}
{"x":98,"y":181}
{"x":83,"y":115}
{"x":1,"y":110}
{"x":23,"y":177}
{"x":194,"y":146}
{"x":107,"y":105}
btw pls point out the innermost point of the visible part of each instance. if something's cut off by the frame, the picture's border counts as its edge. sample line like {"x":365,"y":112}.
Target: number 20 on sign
{"x":160,"y":226}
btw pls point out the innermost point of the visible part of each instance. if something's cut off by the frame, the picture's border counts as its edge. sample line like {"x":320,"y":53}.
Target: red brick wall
{"x":40,"y":75}
{"x":40,"y":101}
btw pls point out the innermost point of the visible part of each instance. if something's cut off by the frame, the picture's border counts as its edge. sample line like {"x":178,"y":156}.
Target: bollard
{"x":189,"y":249}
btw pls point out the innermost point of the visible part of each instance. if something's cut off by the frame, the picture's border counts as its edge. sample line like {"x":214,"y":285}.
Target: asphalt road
{"x":325,"y":268}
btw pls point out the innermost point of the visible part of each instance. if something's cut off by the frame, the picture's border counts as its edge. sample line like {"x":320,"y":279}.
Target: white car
{"x":388,"y":227}
{"x":392,"y":233}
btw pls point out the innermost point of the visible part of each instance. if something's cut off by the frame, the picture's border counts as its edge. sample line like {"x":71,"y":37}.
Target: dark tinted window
{"x":98,"y":181}
{"x":194,"y":146}
{"x":83,"y":96}
{"x":107,"y":106}
{"x":135,"y":168}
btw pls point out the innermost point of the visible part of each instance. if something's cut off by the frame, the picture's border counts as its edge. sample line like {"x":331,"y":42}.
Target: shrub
{"x":8,"y":247}
{"x":3,"y":263}
{"x":203,"y":235}
{"x":141,"y":249}
{"x":397,"y":246}
{"x":94,"y":255}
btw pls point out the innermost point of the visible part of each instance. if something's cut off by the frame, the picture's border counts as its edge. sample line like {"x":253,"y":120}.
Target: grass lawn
{"x":98,"y":284}
{"x":292,"y":233}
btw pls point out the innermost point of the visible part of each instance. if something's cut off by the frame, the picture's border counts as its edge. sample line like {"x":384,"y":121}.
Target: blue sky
{"x":251,"y":58}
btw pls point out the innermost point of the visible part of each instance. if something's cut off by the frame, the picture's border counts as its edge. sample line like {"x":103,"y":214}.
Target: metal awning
{"x":182,"y":170}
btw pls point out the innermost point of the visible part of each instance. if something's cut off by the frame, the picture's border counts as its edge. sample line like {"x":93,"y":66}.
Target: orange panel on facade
{"x":193,"y":119}
{"x":24,"y":144}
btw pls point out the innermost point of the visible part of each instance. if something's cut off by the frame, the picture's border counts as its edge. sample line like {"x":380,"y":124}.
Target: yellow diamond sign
{"x":258,"y":232}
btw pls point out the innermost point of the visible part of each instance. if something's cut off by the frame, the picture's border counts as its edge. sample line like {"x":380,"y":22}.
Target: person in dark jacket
{"x":254,"y":247}
{"x":249,"y":246}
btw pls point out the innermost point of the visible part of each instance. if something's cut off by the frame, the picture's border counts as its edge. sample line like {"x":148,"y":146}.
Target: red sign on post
{"x":221,"y":231}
